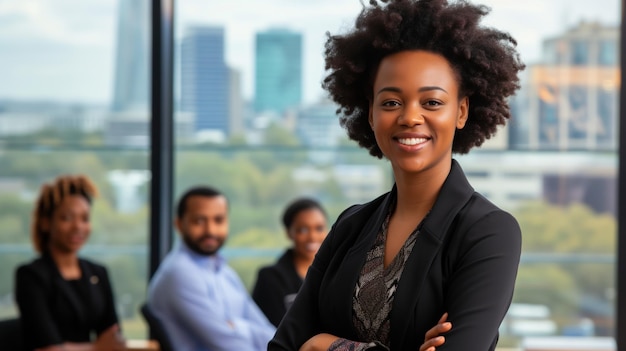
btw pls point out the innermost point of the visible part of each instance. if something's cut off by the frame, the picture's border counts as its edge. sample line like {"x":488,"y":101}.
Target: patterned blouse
{"x":374,"y":293}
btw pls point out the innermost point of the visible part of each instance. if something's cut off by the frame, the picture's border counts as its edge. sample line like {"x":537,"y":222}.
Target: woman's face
{"x":70,"y":226}
{"x":307,"y":232}
{"x":416,"y":110}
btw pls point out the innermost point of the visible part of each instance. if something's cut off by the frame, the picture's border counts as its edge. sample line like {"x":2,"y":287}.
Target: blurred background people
{"x":199,"y":298}
{"x":305,"y":223}
{"x":65,"y":302}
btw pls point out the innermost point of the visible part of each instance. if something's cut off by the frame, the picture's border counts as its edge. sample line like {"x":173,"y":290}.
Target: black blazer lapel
{"x":455,"y":193}
{"x":94,"y":282}
{"x":354,"y":260}
{"x":66,"y":292}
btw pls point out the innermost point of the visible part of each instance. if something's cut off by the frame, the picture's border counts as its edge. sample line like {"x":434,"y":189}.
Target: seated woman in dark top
{"x":276,"y":287}
{"x":65,"y":302}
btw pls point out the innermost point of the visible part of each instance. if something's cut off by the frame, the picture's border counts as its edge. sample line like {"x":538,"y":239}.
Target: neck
{"x":302,"y":264}
{"x":67,"y":264}
{"x":417,"y":192}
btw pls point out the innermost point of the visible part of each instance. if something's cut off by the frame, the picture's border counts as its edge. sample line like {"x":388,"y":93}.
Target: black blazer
{"x":276,"y":287}
{"x":52,"y":312}
{"x":464,"y":262}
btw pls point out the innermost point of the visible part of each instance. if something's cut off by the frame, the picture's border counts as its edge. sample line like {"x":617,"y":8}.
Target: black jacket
{"x":276,"y":287}
{"x":464,"y":262}
{"x":52,"y":312}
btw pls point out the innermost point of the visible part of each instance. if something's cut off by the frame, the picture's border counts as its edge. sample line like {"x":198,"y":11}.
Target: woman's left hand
{"x":319,"y":342}
{"x":433,"y":338}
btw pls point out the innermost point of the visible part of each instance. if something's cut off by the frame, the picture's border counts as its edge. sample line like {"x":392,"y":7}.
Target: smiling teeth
{"x":412,"y":141}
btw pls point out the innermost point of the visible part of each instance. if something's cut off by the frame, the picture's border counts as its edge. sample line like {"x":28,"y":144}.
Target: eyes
{"x":68,"y":217}
{"x":306,"y":230}
{"x":430,"y":104}
{"x":202,"y":220}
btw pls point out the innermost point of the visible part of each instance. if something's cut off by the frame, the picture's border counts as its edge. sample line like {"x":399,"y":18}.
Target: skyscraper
{"x":278,"y":73}
{"x":570,"y":99}
{"x":205,"y":78}
{"x":132,"y":63}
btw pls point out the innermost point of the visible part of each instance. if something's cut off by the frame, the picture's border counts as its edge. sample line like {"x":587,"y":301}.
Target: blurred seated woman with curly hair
{"x":65,"y":302}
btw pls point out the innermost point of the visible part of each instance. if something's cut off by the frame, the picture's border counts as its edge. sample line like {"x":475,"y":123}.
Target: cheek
{"x":222,"y":229}
{"x":59,"y":228}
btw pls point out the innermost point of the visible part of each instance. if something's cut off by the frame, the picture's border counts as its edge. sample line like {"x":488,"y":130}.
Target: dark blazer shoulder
{"x":40,"y":267}
{"x":44,"y":269}
{"x":95,"y":267}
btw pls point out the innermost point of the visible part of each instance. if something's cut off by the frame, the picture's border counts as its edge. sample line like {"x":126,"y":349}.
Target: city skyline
{"x":78,"y":64}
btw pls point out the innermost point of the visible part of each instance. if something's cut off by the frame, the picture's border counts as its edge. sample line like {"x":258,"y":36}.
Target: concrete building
{"x":569,"y":101}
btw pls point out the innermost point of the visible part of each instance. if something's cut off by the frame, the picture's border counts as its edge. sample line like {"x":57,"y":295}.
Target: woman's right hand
{"x":433,"y":337}
{"x":110,"y":340}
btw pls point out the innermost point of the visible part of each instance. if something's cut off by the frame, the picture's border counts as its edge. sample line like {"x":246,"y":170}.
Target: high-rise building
{"x":569,"y":101}
{"x":278,"y":72}
{"x":132,"y":63}
{"x":205,"y":79}
{"x":235,"y":102}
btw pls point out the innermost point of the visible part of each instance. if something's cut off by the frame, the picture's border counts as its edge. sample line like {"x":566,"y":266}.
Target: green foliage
{"x":247,"y":268}
{"x":585,"y":238}
{"x":573,"y":229}
{"x":550,"y":285}
{"x":259,"y":182}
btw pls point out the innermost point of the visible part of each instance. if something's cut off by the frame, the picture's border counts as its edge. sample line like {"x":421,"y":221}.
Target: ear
{"x":177,"y":224}
{"x":463,"y":113}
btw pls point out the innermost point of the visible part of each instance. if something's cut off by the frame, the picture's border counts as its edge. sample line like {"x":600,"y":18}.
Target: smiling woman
{"x":62,"y":298}
{"x":415,"y":81}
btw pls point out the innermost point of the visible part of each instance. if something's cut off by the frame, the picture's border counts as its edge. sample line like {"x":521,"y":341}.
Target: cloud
{"x":28,"y":27}
{"x":66,"y":22}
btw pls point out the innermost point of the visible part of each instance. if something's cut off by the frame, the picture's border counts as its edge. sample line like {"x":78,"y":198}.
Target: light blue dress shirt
{"x":204,"y":305}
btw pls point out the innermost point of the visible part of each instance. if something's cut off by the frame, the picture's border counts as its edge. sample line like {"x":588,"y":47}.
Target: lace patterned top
{"x":374,"y":293}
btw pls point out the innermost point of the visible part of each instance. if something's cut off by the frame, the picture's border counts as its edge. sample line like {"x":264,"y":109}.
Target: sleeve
{"x":195,"y":312}
{"x":301,"y":322}
{"x":481,"y":286}
{"x":268,"y":296}
{"x":109,"y":317}
{"x":260,"y":327}
{"x":31,"y":294}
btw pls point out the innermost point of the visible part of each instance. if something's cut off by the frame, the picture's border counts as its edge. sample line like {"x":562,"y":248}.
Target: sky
{"x":63,"y":50}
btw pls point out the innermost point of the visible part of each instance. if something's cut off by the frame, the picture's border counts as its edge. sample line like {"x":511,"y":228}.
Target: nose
{"x":78,"y":223}
{"x":411,"y":115}
{"x":208,"y":227}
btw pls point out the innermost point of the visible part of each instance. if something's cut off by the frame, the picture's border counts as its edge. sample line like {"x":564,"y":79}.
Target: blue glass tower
{"x":205,"y":78}
{"x":130,"y":90}
{"x":278,"y":73}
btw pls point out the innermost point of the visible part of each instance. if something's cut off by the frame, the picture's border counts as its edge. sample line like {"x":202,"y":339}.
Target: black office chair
{"x":11,"y":334}
{"x":157,"y":331}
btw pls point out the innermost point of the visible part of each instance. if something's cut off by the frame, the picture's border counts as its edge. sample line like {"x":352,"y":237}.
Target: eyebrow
{"x":420,"y":90}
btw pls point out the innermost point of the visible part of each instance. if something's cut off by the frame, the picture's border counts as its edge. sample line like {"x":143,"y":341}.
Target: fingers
{"x":437,"y":330}
{"x":433,"y":337}
{"x":431,"y":344}
{"x":114,"y":329}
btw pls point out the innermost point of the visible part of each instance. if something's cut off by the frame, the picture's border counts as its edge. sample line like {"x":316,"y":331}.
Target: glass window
{"x":74,"y":98}
{"x":554,"y":167}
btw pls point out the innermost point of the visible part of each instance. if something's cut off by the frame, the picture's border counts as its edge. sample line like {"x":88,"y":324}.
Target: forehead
{"x":210,"y":206}
{"x":418,"y":67}
{"x":311,"y":213}
{"x":74,"y":202}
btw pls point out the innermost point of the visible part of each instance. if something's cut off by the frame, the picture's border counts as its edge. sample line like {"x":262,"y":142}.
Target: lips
{"x":312,"y":247}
